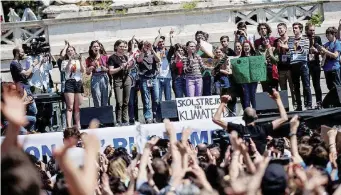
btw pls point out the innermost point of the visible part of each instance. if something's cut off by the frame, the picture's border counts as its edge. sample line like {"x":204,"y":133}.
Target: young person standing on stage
{"x":177,"y":67}
{"x":331,"y":57}
{"x":283,"y":64}
{"x":164,"y":77}
{"x":133,"y":53}
{"x":249,"y":89}
{"x":265,"y":45}
{"x":314,"y":62}
{"x":148,"y":65}
{"x":97,"y":65}
{"x":193,"y":65}
{"x":119,"y":67}
{"x":222,"y":73}
{"x":74,"y":69}
{"x":298,"y":51}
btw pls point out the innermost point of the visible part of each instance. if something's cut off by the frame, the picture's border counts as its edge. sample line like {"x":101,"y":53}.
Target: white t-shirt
{"x":40,"y":78}
{"x":69,"y":74}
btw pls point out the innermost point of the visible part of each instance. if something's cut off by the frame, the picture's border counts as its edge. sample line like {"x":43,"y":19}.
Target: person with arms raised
{"x":258,"y":133}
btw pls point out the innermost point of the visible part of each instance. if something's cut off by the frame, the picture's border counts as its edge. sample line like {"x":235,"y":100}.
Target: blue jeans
{"x":165,"y":86}
{"x":100,"y":89}
{"x":29,"y":127}
{"x":301,"y":71}
{"x":152,"y":91}
{"x":249,"y":94}
{"x":180,"y":87}
{"x":207,"y":86}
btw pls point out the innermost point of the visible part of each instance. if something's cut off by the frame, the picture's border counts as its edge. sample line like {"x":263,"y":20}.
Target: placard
{"x":198,"y":108}
{"x":249,"y":69}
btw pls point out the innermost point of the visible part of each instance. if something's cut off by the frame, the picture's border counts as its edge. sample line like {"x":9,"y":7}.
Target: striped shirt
{"x":298,"y":49}
{"x":192,"y":67}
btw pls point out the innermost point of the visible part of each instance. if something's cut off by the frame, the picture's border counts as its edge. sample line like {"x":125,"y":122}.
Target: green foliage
{"x":19,"y":7}
{"x":120,"y":11}
{"x":190,"y":5}
{"x":101,"y":5}
{"x":316,"y":19}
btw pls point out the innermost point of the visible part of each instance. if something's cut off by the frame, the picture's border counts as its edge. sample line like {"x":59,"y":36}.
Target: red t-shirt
{"x":179,"y":66}
{"x":102,"y":61}
{"x":259,"y":42}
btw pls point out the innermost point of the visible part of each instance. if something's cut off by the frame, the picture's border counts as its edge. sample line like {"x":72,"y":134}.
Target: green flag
{"x":241,"y":69}
{"x":257,"y":68}
{"x":249,"y":69}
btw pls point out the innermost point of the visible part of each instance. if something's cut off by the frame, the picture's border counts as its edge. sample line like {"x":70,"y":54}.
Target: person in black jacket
{"x":314,"y":61}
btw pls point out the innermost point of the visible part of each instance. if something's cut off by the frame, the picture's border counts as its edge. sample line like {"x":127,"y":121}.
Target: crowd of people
{"x":249,"y":161}
{"x":189,"y":70}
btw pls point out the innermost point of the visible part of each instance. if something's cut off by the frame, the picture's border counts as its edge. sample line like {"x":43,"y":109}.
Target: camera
{"x":36,"y":46}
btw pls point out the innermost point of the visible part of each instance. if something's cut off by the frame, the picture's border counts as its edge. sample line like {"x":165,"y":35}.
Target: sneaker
{"x":309,"y":107}
{"x":318,"y":106}
{"x":299,"y":108}
{"x":131,"y":122}
{"x":118,"y":124}
{"x":149,"y":121}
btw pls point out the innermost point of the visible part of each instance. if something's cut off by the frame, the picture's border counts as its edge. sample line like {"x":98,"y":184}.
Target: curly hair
{"x":266,"y":26}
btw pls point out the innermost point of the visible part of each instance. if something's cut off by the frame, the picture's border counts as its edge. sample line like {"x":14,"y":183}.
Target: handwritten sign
{"x":249,"y":69}
{"x":197,"y":108}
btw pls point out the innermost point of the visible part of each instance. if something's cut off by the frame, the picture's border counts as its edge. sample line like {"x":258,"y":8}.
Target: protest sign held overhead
{"x":194,"y":108}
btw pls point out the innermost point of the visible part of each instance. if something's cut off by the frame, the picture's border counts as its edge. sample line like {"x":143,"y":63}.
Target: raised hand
{"x":13,"y":106}
{"x":275,"y":94}
{"x":225,"y":98}
{"x":294,"y":123}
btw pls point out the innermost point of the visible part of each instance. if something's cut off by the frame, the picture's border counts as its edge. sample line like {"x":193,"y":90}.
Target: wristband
{"x":292,"y":134}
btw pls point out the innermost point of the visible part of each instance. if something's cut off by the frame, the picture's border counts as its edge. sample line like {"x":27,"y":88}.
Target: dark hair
{"x":252,"y":50}
{"x":278,"y":143}
{"x":161,"y":176}
{"x":206,"y":35}
{"x":18,"y":175}
{"x":119,"y":42}
{"x":282,"y":24}
{"x":163,"y":37}
{"x":266,"y":26}
{"x":319,"y":156}
{"x":305,"y":151}
{"x":71,"y":132}
{"x":241,"y":25}
{"x":189,"y":42}
{"x":101,"y":49}
{"x":15,"y":51}
{"x":131,"y":42}
{"x":66,"y":57}
{"x":331,"y":30}
{"x":178,"y":46}
{"x":225,"y":37}
{"x":308,"y":25}
{"x":140,"y":45}
{"x":300,"y":26}
{"x":117,"y":186}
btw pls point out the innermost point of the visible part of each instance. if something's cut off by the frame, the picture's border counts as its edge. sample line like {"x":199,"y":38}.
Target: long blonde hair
{"x":117,"y":168}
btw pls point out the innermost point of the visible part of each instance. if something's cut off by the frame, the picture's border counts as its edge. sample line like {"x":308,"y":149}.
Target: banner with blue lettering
{"x":43,"y":144}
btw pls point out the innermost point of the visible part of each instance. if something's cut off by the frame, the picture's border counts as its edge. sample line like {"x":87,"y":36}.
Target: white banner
{"x":43,"y":144}
{"x":198,"y":108}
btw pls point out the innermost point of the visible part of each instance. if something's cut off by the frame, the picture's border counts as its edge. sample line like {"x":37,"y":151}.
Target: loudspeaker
{"x":264,"y":104}
{"x":169,"y":109}
{"x":333,"y":98}
{"x":104,"y":114}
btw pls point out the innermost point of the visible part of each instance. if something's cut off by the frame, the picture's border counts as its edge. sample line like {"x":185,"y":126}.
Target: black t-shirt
{"x":312,"y":42}
{"x":258,"y":133}
{"x":16,"y":70}
{"x":230,"y":52}
{"x":281,"y":65}
{"x":148,"y":67}
{"x":116,"y":62}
